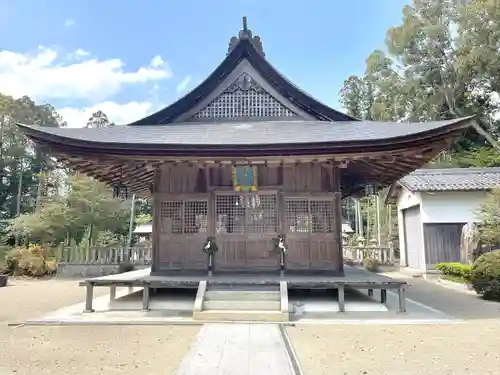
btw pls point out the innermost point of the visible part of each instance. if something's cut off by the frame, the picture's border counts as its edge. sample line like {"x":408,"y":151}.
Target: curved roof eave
{"x":40,"y":135}
{"x":244,"y":49}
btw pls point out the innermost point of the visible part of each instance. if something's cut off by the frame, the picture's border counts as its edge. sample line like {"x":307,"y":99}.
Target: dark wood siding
{"x":194,"y":201}
{"x":442,"y":242}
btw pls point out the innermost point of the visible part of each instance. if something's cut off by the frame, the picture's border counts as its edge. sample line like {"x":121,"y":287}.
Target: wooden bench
{"x":370,"y":286}
{"x":128,"y":279}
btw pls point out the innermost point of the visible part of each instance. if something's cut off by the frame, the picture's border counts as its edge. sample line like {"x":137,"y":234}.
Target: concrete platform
{"x":354,"y":278}
{"x":176,"y":307}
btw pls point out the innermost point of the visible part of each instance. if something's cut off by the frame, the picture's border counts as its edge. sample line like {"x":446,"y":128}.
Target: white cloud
{"x":69,"y":22}
{"x":184,"y":84}
{"x":117,"y":113}
{"x":47,"y":75}
{"x":157,"y":62}
{"x":81,"y":53}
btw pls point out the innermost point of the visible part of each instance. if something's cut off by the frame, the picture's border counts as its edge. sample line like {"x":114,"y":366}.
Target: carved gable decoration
{"x":244,"y":98}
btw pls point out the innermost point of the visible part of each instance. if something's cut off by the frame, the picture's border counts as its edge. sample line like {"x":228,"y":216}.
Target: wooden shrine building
{"x":243,"y":158}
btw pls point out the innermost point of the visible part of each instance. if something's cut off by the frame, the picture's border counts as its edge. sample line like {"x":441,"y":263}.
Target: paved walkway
{"x":454,"y":303}
{"x":237,"y":349}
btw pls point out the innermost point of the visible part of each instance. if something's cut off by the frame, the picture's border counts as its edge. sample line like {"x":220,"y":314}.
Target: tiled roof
{"x":244,"y":133}
{"x":452,"y":179}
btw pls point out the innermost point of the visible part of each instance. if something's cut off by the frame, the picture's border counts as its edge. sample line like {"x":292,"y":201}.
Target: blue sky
{"x":132,"y":57}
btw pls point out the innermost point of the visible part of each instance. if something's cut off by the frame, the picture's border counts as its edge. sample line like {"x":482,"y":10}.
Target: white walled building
{"x":433,"y":205}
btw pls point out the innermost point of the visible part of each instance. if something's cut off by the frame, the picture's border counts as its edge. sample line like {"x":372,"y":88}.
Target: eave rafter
{"x":137,"y":175}
{"x":357,"y":170}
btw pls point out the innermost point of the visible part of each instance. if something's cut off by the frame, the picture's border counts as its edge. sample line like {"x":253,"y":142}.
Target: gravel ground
{"x":79,"y":350}
{"x":25,"y":298}
{"x":470,"y":348}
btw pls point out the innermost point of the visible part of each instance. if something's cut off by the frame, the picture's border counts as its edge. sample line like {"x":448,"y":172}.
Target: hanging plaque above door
{"x":245,"y":178}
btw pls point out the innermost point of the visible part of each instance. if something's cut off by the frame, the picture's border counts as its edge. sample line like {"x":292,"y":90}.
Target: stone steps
{"x":241,"y":316}
{"x":250,"y":305}
{"x":242,"y":295}
{"x":241,"y":303}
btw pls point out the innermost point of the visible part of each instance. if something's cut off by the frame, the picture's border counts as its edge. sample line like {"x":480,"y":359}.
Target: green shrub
{"x":372,"y":265}
{"x":456,"y":270}
{"x":3,"y":253}
{"x":485,"y":275}
{"x":30,"y":261}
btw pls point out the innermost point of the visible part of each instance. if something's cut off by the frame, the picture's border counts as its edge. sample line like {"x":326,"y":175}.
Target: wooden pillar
{"x":341,"y":298}
{"x":402,"y":298}
{"x":89,"y":296}
{"x":211,"y":219}
{"x":145,"y":297}
{"x":337,"y":217}
{"x":112,"y":293}
{"x":155,"y":243}
{"x":383,"y":296}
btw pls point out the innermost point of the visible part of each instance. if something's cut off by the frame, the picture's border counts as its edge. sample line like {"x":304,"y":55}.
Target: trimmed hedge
{"x":455,"y":269}
{"x":485,"y":275}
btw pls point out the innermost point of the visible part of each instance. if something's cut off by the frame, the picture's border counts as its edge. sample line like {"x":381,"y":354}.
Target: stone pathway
{"x":237,"y":349}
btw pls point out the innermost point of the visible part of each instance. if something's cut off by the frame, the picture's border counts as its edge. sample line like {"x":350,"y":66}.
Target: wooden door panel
{"x":323,"y":253}
{"x":182,"y":232}
{"x":309,"y":230}
{"x":260,"y":254}
{"x":170,"y":254}
{"x":231,"y":253}
{"x":193,"y":252}
{"x":298,"y":255}
{"x":245,"y":225}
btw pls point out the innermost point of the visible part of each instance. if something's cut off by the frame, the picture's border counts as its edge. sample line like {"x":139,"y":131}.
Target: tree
{"x":81,"y":213}
{"x":489,"y":218}
{"x":20,"y":157}
{"x":99,"y":120}
{"x":442,"y":63}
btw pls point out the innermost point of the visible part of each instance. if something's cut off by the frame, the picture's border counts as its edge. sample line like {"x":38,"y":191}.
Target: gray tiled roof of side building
{"x":452,"y":179}
{"x":246,"y":133}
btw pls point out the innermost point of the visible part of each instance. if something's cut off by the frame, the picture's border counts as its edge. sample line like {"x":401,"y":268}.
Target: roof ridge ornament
{"x":246,"y":33}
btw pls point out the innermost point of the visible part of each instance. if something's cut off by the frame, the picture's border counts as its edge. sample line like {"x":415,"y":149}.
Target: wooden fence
{"x":137,"y":255}
{"x":358,"y":254}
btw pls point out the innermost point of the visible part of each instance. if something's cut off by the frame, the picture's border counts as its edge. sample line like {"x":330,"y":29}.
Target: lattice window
{"x":171,"y":217}
{"x":230,"y":212}
{"x":322,"y":216}
{"x":297,"y":216}
{"x":245,"y":98}
{"x":246,"y":214}
{"x":261,"y":214}
{"x":195,"y":217}
{"x":177,"y":217}
{"x":314,"y":216}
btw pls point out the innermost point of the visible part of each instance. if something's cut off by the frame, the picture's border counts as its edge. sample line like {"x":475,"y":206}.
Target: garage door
{"x":413,"y":237}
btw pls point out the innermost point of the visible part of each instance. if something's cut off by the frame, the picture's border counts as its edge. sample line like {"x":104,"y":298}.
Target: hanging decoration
{"x":279,"y":245}
{"x":245,"y":178}
{"x":210,"y":248}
